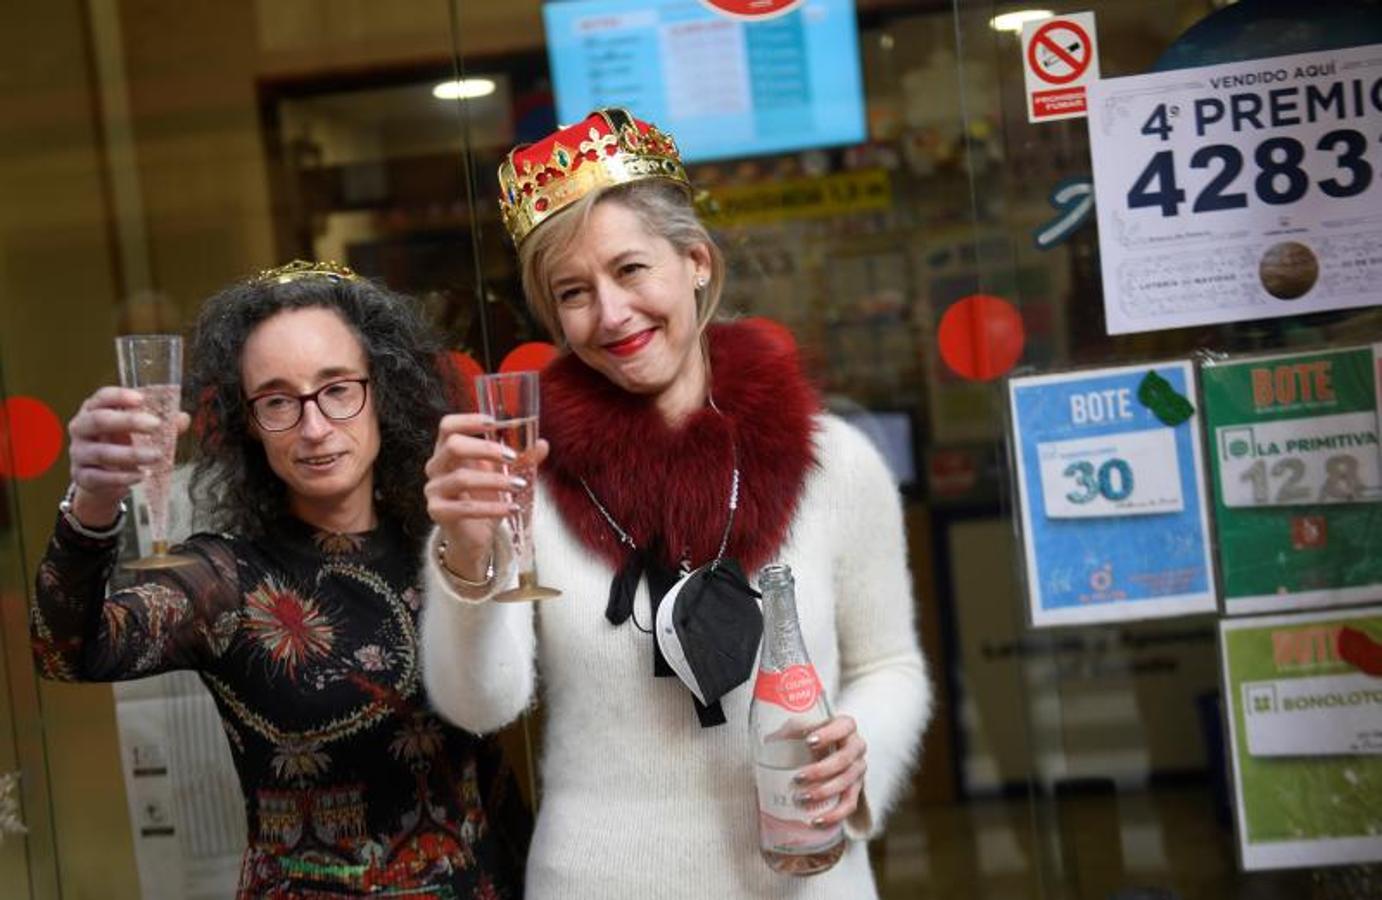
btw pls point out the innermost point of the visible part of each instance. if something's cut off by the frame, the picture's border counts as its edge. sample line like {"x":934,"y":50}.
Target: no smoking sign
{"x":1059,"y":57}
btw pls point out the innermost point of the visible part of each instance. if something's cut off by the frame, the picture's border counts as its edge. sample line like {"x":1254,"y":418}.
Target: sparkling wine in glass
{"x":152,"y":365}
{"x":511,"y":399}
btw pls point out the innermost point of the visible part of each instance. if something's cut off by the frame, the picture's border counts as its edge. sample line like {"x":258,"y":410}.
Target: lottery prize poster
{"x":1246,"y":190}
{"x":1303,"y":696}
{"x":1293,"y":448}
{"x":1111,"y":497}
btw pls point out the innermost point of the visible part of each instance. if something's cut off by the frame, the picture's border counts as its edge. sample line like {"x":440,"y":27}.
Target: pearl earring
{"x":701,"y":282}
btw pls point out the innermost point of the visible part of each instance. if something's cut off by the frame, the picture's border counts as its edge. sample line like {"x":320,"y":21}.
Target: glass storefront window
{"x":157,"y":150}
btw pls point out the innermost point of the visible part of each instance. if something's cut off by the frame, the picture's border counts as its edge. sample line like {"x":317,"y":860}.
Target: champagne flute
{"x":511,"y":399}
{"x":152,"y":365}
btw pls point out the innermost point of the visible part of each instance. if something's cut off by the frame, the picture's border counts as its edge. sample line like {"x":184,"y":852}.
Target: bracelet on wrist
{"x":458,"y":577}
{"x":100,"y":534}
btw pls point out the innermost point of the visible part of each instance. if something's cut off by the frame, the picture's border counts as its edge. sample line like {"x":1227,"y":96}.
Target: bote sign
{"x":1059,"y":57}
{"x":752,"y":9}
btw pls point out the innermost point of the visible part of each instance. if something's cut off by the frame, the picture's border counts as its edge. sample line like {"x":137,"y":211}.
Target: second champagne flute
{"x":511,"y":399}
{"x":152,"y":365}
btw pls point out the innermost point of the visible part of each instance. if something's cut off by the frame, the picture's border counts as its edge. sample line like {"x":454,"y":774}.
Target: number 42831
{"x":1279,"y":175}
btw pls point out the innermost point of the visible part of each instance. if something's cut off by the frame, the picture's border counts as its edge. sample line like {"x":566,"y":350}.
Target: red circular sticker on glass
{"x":752,"y":9}
{"x":31,"y":437}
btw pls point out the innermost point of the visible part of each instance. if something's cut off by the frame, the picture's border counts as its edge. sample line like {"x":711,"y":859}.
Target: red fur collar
{"x":673,"y":484}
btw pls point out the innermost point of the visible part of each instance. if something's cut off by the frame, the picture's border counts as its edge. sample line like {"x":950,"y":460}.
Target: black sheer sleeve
{"x":180,"y":618}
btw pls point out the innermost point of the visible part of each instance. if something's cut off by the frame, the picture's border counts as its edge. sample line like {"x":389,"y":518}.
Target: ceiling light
{"x":464,"y":89}
{"x":1013,"y":21}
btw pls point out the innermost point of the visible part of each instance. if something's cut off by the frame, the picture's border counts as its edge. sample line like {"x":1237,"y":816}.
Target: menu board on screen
{"x":723,"y":87}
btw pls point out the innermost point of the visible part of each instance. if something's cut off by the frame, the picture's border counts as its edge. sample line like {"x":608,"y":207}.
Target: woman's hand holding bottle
{"x":839,"y":773}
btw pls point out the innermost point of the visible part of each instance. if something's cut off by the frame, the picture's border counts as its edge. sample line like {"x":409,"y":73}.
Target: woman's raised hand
{"x":105,"y":461}
{"x":468,"y":492}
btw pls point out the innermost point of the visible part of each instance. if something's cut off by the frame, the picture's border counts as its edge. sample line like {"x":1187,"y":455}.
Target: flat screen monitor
{"x":723,"y":87}
{"x":890,"y":430}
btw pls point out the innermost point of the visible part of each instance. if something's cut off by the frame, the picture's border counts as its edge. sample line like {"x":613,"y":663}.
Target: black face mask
{"x":707,"y":626}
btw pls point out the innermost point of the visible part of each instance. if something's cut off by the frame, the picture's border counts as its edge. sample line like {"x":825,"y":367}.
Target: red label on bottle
{"x":795,"y":688}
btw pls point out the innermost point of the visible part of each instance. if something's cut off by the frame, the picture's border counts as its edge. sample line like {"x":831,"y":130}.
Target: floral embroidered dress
{"x":307,"y":641}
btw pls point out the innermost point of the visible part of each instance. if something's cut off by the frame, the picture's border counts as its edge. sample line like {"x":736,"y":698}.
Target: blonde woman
{"x":674,"y":443}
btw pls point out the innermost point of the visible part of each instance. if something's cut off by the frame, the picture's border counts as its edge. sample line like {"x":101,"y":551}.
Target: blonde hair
{"x":663,"y":209}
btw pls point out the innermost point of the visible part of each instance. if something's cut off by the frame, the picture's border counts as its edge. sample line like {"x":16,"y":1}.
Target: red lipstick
{"x":630,"y":345}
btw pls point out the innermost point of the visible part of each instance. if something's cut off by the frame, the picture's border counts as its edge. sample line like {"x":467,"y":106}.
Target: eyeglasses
{"x":337,"y":400}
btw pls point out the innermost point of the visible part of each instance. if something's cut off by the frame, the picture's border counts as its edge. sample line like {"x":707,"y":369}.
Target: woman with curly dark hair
{"x":317,"y":399}
{"x":405,"y":392}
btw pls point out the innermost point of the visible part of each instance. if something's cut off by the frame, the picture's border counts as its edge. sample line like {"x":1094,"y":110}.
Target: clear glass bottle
{"x":788,"y":704}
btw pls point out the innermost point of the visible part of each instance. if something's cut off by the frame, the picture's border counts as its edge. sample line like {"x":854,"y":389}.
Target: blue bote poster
{"x":1111,"y":494}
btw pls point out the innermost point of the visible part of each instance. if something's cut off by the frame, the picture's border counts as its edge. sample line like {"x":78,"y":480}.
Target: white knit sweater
{"x":638,"y":801}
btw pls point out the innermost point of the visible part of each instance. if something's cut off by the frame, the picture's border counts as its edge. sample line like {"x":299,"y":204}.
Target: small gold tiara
{"x":299,"y":269}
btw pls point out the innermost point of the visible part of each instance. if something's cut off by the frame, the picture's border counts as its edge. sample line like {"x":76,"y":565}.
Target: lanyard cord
{"x":628,"y":541}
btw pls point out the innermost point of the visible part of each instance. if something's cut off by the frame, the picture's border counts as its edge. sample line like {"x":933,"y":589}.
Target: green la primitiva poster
{"x":1297,"y":479}
{"x":1303,"y":695}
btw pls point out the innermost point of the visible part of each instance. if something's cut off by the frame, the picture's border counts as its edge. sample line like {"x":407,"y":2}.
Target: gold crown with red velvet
{"x":609,"y":147}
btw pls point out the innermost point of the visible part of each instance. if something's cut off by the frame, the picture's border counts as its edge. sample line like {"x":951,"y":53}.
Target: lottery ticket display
{"x":1244,"y":190}
{"x":1303,"y":696}
{"x":1297,"y":479}
{"x":1111,"y":493}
